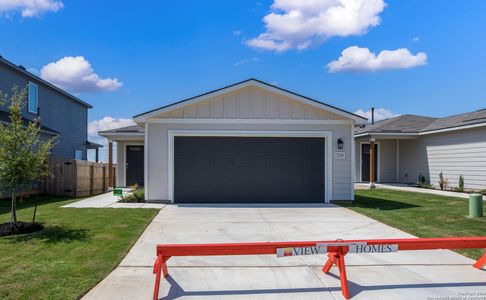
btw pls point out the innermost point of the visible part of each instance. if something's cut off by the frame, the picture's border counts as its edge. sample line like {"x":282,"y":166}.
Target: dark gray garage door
{"x":248,"y":170}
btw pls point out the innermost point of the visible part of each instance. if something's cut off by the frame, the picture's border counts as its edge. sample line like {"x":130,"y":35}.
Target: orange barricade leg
{"x":157,"y":271}
{"x":481,"y":262}
{"x":165,"y":272}
{"x":160,"y":268}
{"x":330,"y":261}
{"x":343,"y":276}
{"x":337,"y":259}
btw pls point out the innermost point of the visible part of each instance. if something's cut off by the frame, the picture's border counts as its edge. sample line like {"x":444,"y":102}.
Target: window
{"x":33,"y":97}
{"x":78,"y":154}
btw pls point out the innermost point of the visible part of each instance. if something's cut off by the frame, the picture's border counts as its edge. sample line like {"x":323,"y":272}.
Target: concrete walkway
{"x":107,"y":200}
{"x":436,"y":274}
{"x":406,"y":188}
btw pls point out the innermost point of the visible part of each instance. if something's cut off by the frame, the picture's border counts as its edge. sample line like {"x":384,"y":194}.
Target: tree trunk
{"x":13,"y":219}
{"x":36,"y":202}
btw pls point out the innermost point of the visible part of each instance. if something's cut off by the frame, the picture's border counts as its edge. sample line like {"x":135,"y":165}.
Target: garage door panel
{"x":248,"y":169}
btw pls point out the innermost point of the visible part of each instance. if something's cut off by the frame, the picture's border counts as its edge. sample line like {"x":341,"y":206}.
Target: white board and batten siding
{"x":252,"y":103}
{"x":253,"y":110}
{"x":455,"y":153}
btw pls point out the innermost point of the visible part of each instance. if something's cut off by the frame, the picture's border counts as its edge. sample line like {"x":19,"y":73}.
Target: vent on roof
{"x":21,"y":67}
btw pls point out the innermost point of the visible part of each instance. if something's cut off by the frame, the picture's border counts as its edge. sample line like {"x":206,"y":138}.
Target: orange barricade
{"x":336,"y":250}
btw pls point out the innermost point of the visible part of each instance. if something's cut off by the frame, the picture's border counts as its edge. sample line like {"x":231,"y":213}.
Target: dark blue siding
{"x":56,"y":110}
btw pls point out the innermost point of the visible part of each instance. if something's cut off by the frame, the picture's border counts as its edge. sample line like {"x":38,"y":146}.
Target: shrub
{"x":443,"y":183}
{"x":137,"y":195}
{"x":461,"y":184}
{"x":483,"y":192}
{"x":421,"y":180}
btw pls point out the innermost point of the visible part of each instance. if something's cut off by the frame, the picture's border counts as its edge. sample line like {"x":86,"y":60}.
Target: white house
{"x":410,"y":146}
{"x":250,"y":142}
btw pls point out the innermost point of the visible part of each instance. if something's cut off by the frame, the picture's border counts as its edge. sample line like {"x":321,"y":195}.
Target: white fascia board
{"x":377,"y":134}
{"x":247,"y":121}
{"x":120,"y":133}
{"x":453,"y":128}
{"x":356,"y":119}
{"x":142,"y":118}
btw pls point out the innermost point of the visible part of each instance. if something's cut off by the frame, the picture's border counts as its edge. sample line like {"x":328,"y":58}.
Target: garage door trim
{"x":327,"y":135}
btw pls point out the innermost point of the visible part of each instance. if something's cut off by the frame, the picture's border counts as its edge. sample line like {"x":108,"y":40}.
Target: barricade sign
{"x":296,"y":251}
{"x":364,"y":247}
{"x":335,"y":250}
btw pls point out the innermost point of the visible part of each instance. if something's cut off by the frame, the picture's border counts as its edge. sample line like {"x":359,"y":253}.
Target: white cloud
{"x":237,"y":32}
{"x":245,"y":61}
{"x":106,"y":123}
{"x":416,"y":39}
{"x":76,"y":75}
{"x":30,"y":8}
{"x":362,"y":59}
{"x":380,"y":114}
{"x":297,"y":24}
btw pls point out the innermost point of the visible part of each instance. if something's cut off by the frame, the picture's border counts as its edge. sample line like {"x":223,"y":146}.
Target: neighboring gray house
{"x":248,"y":142}
{"x":408,"y":146}
{"x":61,"y":114}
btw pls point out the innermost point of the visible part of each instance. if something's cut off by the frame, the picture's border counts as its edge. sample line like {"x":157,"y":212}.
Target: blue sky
{"x":158,"y":52}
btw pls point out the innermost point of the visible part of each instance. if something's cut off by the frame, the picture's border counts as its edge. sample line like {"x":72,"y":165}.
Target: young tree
{"x":23,"y":152}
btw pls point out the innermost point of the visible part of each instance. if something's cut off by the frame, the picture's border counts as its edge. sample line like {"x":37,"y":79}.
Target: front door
{"x":134,"y":165}
{"x":365,"y":162}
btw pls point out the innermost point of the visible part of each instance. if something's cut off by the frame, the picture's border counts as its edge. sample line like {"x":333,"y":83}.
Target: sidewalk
{"x":107,"y":200}
{"x":406,"y":188}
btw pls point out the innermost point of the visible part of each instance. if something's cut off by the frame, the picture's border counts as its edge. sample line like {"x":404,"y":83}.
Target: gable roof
{"x":465,"y":119}
{"x":140,"y":118}
{"x":419,"y":125}
{"x":400,"y":124}
{"x":134,"y":129}
{"x":22,"y":70}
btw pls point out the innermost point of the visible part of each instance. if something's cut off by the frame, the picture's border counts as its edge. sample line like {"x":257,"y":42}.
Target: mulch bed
{"x":19,"y":228}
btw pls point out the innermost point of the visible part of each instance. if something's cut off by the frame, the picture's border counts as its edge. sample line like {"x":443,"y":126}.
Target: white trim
{"x":105,"y":134}
{"x":453,"y":128}
{"x":385,"y":134}
{"x":327,"y":135}
{"x":422,"y":132}
{"x":398,"y":160}
{"x":142,"y":118}
{"x":36,"y":100}
{"x":378,"y":165}
{"x":353,"y":162}
{"x":248,"y":121}
{"x":145,"y":162}
{"x":125,"y":166}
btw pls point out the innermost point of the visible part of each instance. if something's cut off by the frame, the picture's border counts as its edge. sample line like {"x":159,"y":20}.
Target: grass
{"x":423,"y":215}
{"x":76,"y":250}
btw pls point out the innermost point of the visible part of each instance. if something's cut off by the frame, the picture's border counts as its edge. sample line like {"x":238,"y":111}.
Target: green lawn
{"x":76,"y":250}
{"x":423,"y":215}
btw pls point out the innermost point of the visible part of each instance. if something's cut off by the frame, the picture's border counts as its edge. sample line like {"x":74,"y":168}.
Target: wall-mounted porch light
{"x":340,"y":144}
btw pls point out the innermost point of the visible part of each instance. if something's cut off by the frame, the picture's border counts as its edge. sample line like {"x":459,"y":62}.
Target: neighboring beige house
{"x":248,"y":142}
{"x":408,"y":146}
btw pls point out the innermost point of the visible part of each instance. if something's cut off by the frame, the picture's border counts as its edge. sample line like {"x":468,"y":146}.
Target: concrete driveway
{"x":404,"y":275}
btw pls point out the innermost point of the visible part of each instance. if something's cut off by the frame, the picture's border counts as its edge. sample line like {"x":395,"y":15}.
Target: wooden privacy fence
{"x":77,"y":178}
